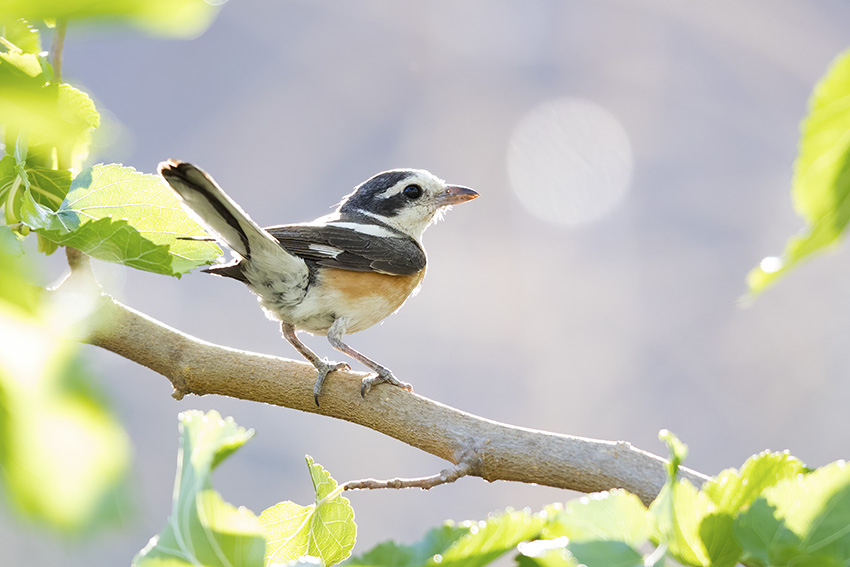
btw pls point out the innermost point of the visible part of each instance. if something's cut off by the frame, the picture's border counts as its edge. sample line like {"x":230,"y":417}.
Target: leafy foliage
{"x":203,"y":529}
{"x":801,"y":520}
{"x":325,"y":529}
{"x":821,"y":184}
{"x":116,"y":214}
{"x":469,"y":544}
{"x":54,"y":119}
{"x":176,"y":18}
{"x":63,"y":455}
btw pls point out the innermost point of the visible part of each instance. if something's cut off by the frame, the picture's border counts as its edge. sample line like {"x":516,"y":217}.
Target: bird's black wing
{"x":339,"y":247}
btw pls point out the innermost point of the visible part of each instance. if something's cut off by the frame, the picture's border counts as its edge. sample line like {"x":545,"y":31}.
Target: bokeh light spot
{"x":569,"y":161}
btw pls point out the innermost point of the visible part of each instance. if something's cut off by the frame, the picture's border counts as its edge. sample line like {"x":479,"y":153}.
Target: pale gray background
{"x":614,"y":330}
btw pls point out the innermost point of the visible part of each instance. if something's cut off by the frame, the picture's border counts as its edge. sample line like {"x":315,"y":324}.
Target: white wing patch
{"x":370,"y":229}
{"x":329,"y":251}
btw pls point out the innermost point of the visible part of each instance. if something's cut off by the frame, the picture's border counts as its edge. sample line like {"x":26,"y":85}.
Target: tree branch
{"x":465,"y":467}
{"x":503,"y":452}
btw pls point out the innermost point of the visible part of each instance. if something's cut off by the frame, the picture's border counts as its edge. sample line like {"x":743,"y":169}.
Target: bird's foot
{"x":323,"y":368}
{"x":383,"y":375}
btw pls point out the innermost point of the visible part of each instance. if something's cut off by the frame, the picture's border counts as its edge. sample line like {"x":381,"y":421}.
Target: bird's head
{"x":405,"y":199}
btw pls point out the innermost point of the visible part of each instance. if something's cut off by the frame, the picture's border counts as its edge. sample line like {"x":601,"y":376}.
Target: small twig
{"x":76,"y":259}
{"x":445,"y":476}
{"x":58,"y":45}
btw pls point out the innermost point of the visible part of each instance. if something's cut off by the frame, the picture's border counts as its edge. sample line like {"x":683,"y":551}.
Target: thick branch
{"x":504,"y":452}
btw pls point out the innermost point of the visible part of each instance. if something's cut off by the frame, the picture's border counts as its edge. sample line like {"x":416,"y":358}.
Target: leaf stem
{"x":58,"y":45}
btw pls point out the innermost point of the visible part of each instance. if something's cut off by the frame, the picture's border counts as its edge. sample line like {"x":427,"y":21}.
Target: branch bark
{"x":496,"y":450}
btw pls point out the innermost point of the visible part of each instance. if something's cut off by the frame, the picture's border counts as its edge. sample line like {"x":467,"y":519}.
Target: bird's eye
{"x":412,"y":191}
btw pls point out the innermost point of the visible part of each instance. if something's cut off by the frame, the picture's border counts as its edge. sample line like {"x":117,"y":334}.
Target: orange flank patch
{"x":364,"y":285}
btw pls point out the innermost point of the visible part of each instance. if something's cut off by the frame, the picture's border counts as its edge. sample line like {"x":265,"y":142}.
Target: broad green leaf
{"x":605,"y":554}
{"x":63,"y":455}
{"x":203,"y":529}
{"x":545,"y":553}
{"x":821,"y":184}
{"x":801,"y":520}
{"x":80,"y":118}
{"x":391,"y":554}
{"x":51,"y":114}
{"x":22,"y":35}
{"x":20,"y":48}
{"x":17,"y":287}
{"x":177,"y":18}
{"x":674,"y":520}
{"x":116,"y":214}
{"x":48,"y":187}
{"x":325,"y":530}
{"x":489,"y":540}
{"x":731,"y":490}
{"x":615,"y":515}
{"x":471,"y":544}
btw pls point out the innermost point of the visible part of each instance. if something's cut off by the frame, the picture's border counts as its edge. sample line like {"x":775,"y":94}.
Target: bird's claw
{"x":382,"y":376}
{"x":323,"y":368}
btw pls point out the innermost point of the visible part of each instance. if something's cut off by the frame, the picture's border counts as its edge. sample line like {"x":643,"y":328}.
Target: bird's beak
{"x":455,"y":194}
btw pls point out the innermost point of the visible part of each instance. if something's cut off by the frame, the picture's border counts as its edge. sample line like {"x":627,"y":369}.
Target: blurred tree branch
{"x":500,"y":451}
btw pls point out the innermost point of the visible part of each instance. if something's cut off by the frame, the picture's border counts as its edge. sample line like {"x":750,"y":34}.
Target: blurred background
{"x":634,"y":162}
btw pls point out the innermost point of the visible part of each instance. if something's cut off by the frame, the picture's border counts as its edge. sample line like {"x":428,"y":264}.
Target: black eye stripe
{"x":372,"y":195}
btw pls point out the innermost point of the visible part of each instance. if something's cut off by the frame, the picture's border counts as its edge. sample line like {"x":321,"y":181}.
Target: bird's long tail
{"x":216,"y":212}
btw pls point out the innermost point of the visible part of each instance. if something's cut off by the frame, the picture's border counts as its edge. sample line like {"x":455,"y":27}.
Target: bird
{"x":336,"y":275}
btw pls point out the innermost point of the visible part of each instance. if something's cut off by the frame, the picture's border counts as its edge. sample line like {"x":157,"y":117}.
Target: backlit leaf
{"x":203,"y":529}
{"x":325,"y":529}
{"x":821,"y":185}
{"x":116,"y":214}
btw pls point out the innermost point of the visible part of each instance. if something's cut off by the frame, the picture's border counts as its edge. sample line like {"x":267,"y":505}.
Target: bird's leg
{"x":382,"y":373}
{"x":323,"y":367}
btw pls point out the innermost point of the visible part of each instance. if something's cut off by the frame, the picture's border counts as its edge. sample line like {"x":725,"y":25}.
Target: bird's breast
{"x":366,"y":298}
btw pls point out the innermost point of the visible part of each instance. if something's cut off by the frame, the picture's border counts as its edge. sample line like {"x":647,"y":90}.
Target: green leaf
{"x":821,"y":183}
{"x":20,"y":48}
{"x":176,"y":18}
{"x":489,"y":540}
{"x":545,"y":553}
{"x":733,"y":490}
{"x":605,"y":554}
{"x":203,"y":529}
{"x":615,"y":515}
{"x":48,"y":186}
{"x":471,"y":544}
{"x":685,"y":522}
{"x":678,"y":452}
{"x":802,"y":520}
{"x":325,"y":529}
{"x":674,"y":520}
{"x":116,"y":214}
{"x":391,"y":554}
{"x":80,"y":118}
{"x":22,"y":35}
{"x":17,"y":287}
{"x":63,"y":455}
